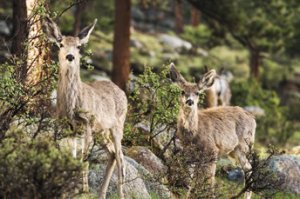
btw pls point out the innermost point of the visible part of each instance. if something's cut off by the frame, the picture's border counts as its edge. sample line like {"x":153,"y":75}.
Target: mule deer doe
{"x":219,"y":93}
{"x":219,"y":130}
{"x":100,"y":106}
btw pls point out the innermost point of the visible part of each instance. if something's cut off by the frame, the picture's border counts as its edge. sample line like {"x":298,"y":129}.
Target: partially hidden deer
{"x":223,"y":130}
{"x":100,"y":106}
{"x":219,"y":94}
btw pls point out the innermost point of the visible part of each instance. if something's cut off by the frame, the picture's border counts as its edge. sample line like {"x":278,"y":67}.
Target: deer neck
{"x":69,"y":89}
{"x":188,"y":119}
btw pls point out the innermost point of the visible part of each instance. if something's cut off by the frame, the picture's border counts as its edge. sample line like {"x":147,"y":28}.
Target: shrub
{"x":32,"y":164}
{"x":153,"y":102}
{"x":36,"y":168}
{"x":199,"y":36}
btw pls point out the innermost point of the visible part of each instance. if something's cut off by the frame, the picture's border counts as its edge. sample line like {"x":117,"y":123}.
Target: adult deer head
{"x":191,"y":91}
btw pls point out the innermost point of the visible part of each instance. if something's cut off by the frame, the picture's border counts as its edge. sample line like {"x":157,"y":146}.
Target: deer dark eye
{"x":79,"y":47}
{"x":61,"y":45}
{"x":197,"y":93}
{"x":182,"y":93}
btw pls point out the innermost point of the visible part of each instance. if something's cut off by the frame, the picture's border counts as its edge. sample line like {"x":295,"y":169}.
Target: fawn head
{"x":191,"y":91}
{"x":69,"y":46}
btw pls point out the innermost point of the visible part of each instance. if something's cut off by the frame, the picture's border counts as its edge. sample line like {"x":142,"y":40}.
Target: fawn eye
{"x":61,"y":45}
{"x":79,"y":47}
{"x":182,"y":93}
{"x":197,"y":93}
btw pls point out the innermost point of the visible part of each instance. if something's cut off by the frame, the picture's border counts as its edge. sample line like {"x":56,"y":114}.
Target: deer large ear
{"x":207,"y":80}
{"x":52,"y":31}
{"x":84,"y":35}
{"x":176,"y":76}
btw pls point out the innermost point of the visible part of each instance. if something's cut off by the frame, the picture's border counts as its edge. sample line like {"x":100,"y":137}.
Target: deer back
{"x":226,"y":128}
{"x":106,"y":101}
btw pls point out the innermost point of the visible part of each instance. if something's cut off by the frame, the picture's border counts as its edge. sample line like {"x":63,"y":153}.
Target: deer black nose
{"x":189,"y":102}
{"x":70,"y":57}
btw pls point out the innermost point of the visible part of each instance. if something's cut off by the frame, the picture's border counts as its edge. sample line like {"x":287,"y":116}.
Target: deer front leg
{"x":246,"y":166}
{"x":247,"y":172}
{"x":87,"y":141}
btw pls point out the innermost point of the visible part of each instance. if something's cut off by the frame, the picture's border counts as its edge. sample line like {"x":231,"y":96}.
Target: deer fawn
{"x":219,"y":130}
{"x":100,"y":106}
{"x":219,"y":93}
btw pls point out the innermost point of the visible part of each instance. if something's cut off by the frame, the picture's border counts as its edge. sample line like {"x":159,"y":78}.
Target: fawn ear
{"x":176,"y":76}
{"x":207,"y":80}
{"x":52,"y":30}
{"x":84,"y":35}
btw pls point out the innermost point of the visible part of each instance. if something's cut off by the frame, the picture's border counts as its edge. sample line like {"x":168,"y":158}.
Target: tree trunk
{"x":37,"y":46}
{"x":195,"y":17}
{"x":121,"y":44}
{"x":255,"y":60}
{"x":19,"y":27}
{"x":78,"y":17}
{"x":179,"y":16}
{"x":19,"y":36}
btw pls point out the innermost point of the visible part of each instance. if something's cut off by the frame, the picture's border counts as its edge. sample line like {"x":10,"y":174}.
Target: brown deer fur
{"x":220,"y":130}
{"x":100,"y":106}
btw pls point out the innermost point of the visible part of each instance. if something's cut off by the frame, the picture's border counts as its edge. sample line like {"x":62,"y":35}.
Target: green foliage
{"x":35,"y":169}
{"x":153,"y":102}
{"x":255,"y":24}
{"x":274,"y":127}
{"x":199,"y":36}
{"x":32,"y":164}
{"x":10,"y":89}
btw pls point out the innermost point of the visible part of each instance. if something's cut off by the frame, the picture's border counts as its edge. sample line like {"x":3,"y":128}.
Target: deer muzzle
{"x":70,"y":57}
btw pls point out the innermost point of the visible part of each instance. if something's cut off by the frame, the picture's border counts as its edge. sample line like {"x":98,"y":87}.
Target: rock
{"x":287,"y":169}
{"x":134,"y":186}
{"x":255,"y":110}
{"x":170,"y":56}
{"x":136,"y":44}
{"x":236,"y":174}
{"x":4,"y":29}
{"x":174,"y":42}
{"x":146,"y":158}
{"x":139,"y":182}
{"x":202,"y":52}
{"x":154,"y":168}
{"x":151,"y":181}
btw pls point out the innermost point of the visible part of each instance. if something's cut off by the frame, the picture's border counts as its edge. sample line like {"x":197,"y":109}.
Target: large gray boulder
{"x":152,"y":168}
{"x":146,"y":158}
{"x":139,"y":182}
{"x":175,"y":42}
{"x":134,"y":186}
{"x":287,"y":169}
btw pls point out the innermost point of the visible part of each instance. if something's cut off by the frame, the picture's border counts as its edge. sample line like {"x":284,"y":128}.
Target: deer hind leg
{"x":108,"y":172}
{"x":87,"y":141}
{"x":117,"y":134}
